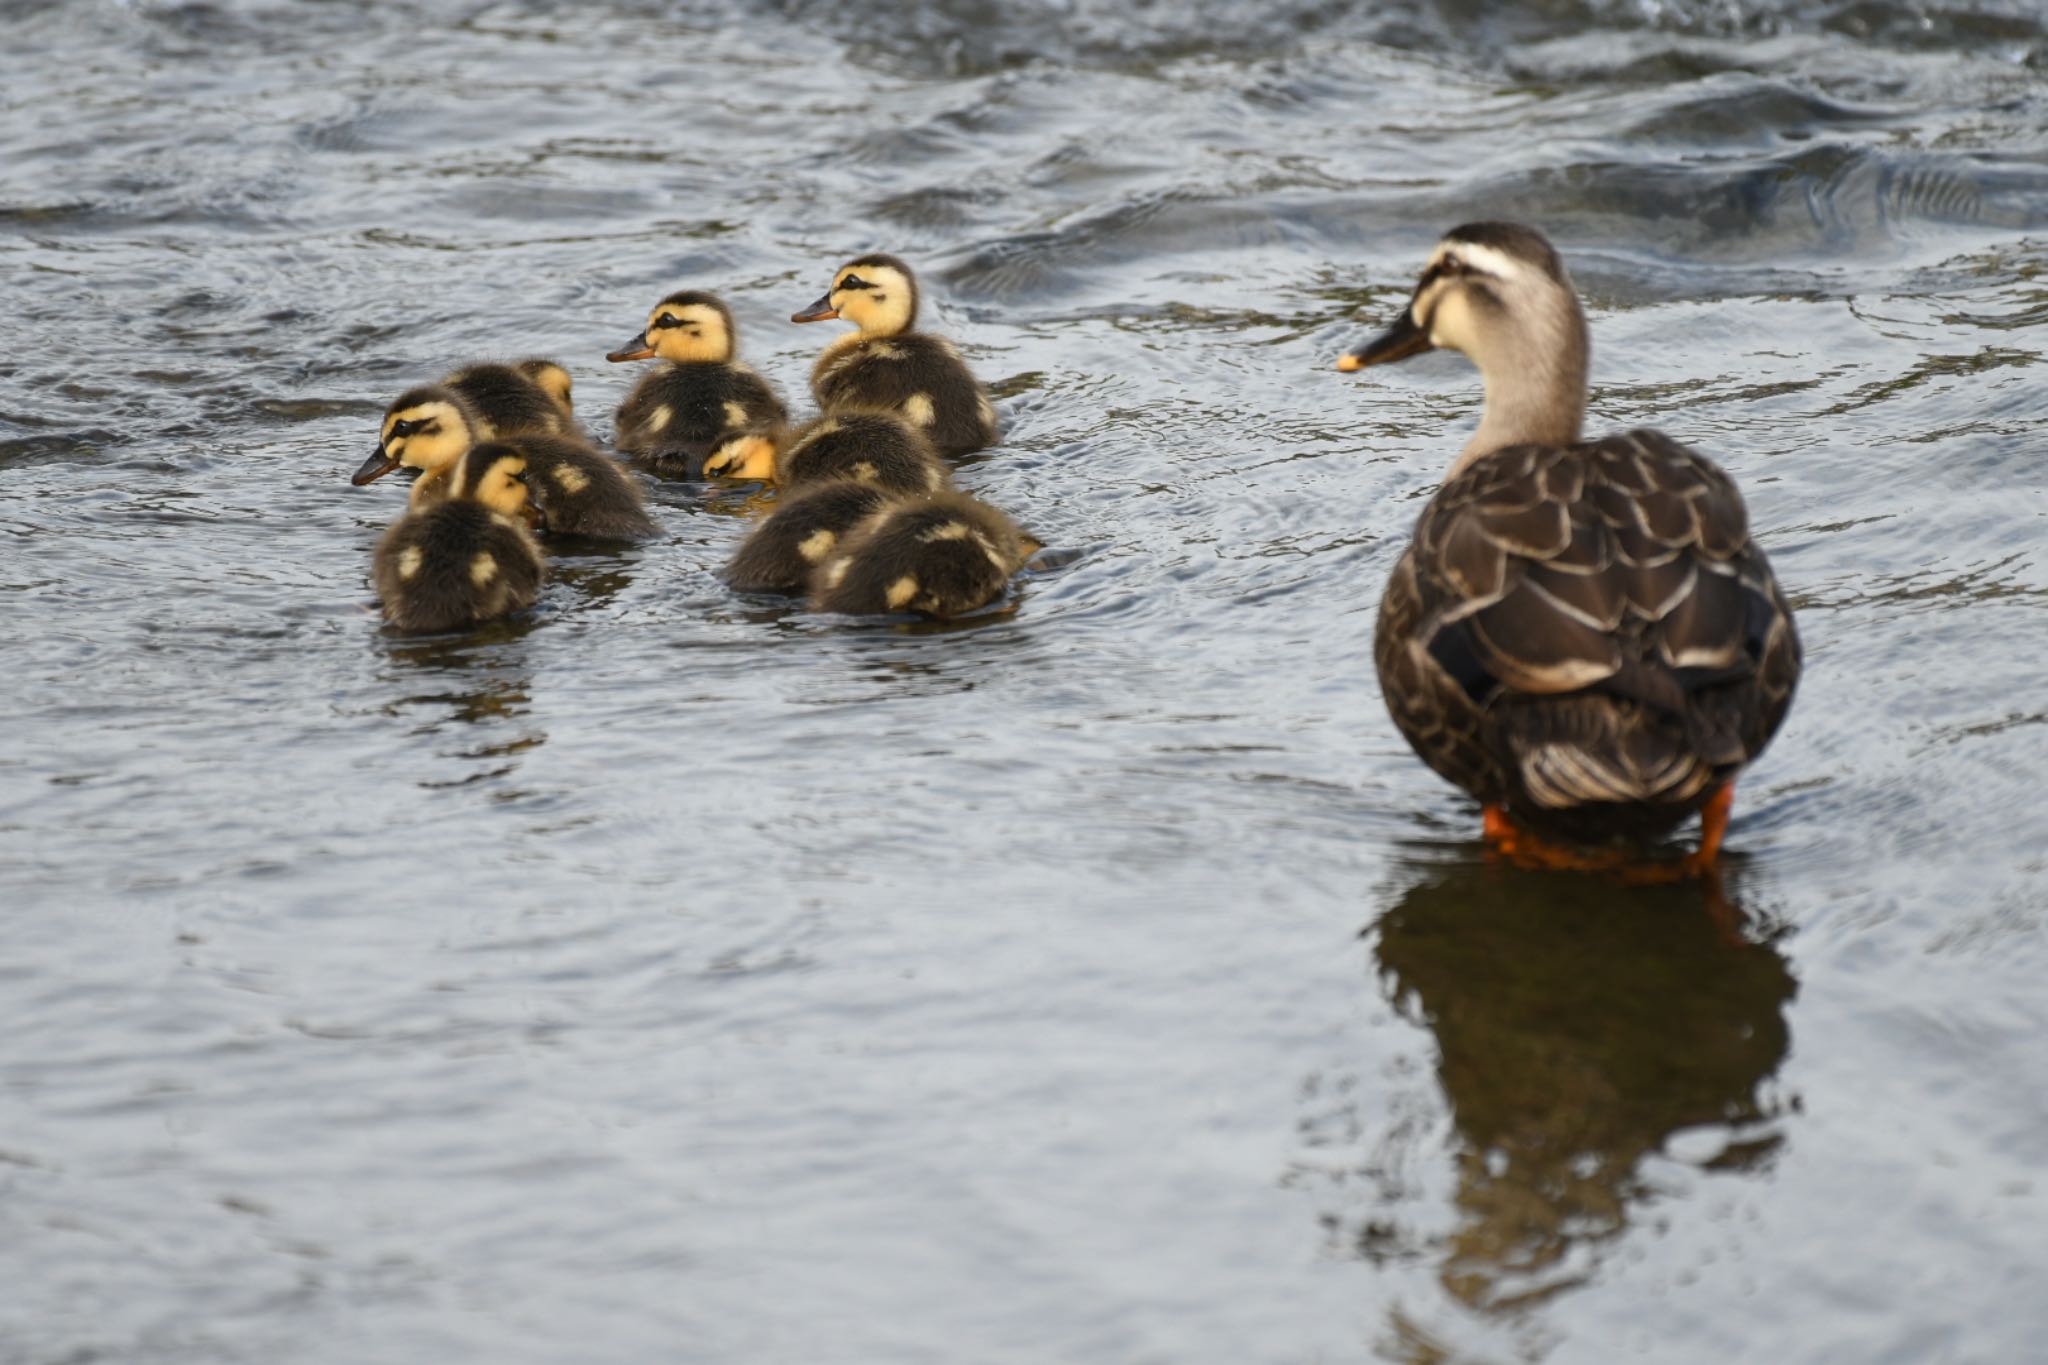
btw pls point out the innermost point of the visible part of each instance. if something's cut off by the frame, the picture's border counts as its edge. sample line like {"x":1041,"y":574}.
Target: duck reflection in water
{"x":1579,"y":1025}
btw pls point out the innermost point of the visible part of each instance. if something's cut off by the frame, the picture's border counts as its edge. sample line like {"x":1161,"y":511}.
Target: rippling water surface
{"x":675,"y":975}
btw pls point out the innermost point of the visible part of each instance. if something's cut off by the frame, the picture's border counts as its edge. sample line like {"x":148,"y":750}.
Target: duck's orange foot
{"x":1527,"y":851}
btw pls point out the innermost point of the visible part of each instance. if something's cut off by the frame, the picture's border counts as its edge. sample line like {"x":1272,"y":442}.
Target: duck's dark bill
{"x":817,"y":312}
{"x":1398,"y":342}
{"x":376,"y":467}
{"x":636,"y":349}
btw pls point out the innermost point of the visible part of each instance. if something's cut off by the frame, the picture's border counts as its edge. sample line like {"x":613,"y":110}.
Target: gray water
{"x":671,"y":975}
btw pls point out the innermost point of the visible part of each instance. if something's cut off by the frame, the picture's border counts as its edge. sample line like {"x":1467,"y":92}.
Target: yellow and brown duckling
{"x":574,"y":489}
{"x":700,"y":398}
{"x":509,"y":400}
{"x":890,"y":367}
{"x":943,"y":555}
{"x":806,"y":526}
{"x":878,"y":448}
{"x":467,"y":557}
{"x":1582,"y":634}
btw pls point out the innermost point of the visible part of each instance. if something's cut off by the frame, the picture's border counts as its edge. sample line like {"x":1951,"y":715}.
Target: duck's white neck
{"x":1535,"y":376}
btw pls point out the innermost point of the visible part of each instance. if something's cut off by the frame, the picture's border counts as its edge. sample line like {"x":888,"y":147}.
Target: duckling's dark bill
{"x":636,"y":349}
{"x":1398,"y":342}
{"x":817,"y":312}
{"x":376,"y":467}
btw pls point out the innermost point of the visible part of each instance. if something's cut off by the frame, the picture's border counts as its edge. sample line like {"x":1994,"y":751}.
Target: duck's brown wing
{"x":1587,"y":627}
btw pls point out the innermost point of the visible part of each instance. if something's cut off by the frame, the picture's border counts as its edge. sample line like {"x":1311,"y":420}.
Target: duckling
{"x":700,"y":398}
{"x":1583,"y":635}
{"x":507,"y":400}
{"x":887,"y":366}
{"x":879,"y":448}
{"x":802,"y":531}
{"x":468,"y":557}
{"x":943,"y":556}
{"x":575,"y":490}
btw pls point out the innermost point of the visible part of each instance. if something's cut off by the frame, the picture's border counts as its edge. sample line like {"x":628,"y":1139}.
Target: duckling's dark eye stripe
{"x":668,"y":320}
{"x":854,"y":282}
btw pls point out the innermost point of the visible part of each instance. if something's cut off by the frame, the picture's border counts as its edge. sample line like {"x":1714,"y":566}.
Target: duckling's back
{"x":675,"y":415}
{"x":915,"y":374}
{"x":511,"y":399}
{"x":452,"y":565}
{"x":879,"y":448}
{"x":581,"y":491}
{"x":801,"y":533}
{"x":942,"y":556}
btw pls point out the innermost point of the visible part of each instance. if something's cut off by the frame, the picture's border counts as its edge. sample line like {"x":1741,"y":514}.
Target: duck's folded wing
{"x":1624,"y":565}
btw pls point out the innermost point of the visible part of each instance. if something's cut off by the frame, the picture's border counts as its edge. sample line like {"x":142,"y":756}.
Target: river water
{"x":670,"y":975}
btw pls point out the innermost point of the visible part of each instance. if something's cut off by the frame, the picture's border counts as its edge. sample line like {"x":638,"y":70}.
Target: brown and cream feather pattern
{"x":1587,"y":635}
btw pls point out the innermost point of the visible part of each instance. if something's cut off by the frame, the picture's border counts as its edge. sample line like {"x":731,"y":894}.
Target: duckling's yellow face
{"x":501,"y":486}
{"x":687,"y":332}
{"x":879,"y":299}
{"x":684,"y":332}
{"x":427,"y":436}
{"x":750,"y":455}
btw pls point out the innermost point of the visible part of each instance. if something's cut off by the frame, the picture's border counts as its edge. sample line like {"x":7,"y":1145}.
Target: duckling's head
{"x":687,"y":327}
{"x":427,"y":428}
{"x":552,"y":378}
{"x":1496,"y":292}
{"x":877,"y":294}
{"x":748,"y":455}
{"x":495,"y":475}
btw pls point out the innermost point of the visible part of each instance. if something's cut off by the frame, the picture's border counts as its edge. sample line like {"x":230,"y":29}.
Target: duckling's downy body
{"x":574,"y":489}
{"x":878,"y":448}
{"x":806,"y":526}
{"x":886,"y":366}
{"x":467,"y":557}
{"x":1582,"y":635}
{"x":699,"y":398}
{"x":509,"y":400}
{"x":942,"y":555}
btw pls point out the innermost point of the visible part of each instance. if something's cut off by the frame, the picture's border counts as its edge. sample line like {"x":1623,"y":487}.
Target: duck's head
{"x":552,"y":378}
{"x":1492,"y":291}
{"x":877,"y":294}
{"x":1498,"y":294}
{"x":495,"y":475}
{"x":687,"y":327}
{"x":428,"y":429}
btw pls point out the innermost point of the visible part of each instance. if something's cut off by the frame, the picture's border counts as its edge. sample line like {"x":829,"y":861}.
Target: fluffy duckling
{"x":803,"y":530}
{"x":467,"y":557}
{"x":532,"y":395}
{"x":887,"y":366}
{"x":700,"y":398}
{"x":1582,"y":634}
{"x":574,"y":489}
{"x":943,"y":556}
{"x":877,"y":448}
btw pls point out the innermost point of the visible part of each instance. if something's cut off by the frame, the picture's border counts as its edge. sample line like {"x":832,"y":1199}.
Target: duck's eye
{"x":668,"y":320}
{"x":854,"y":282}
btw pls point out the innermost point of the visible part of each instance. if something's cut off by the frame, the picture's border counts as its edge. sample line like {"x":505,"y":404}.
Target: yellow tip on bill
{"x":1348,"y":362}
